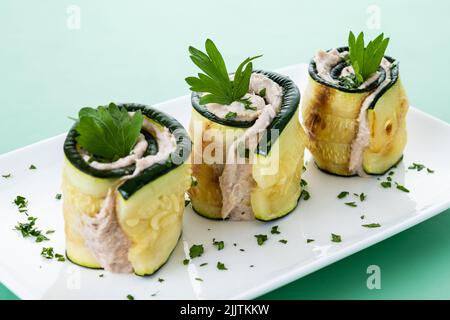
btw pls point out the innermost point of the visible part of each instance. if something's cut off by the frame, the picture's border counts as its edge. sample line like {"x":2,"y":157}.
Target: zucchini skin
{"x":131,"y":186}
{"x":330,"y":114}
{"x":206,"y":196}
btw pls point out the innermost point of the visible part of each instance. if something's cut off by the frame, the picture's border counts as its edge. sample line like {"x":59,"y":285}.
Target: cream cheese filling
{"x":236,"y":180}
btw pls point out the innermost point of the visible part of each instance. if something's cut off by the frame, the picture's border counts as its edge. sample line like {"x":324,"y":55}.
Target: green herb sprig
{"x":366,"y":60}
{"x":215,"y":81}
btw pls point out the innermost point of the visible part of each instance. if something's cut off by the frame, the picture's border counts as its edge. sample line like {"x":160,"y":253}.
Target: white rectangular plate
{"x":30,"y":276}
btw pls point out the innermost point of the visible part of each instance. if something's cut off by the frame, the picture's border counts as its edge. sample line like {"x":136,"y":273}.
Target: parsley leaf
{"x":108,"y":132}
{"x":283,"y":241}
{"x":343,"y":194}
{"x":231,"y":115}
{"x":218,"y":244}
{"x":309,"y":240}
{"x":335,"y":238}
{"x":275,"y":230}
{"x":215,"y":80}
{"x":260,"y":239}
{"x":221,"y":266}
{"x":366,"y":60}
{"x":402,"y":188}
{"x":196,"y":251}
{"x":372,"y":225}
{"x":351,"y":204}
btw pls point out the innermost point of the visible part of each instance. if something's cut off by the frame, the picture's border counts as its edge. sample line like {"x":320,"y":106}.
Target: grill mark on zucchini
{"x":289,"y":105}
{"x":127,"y":189}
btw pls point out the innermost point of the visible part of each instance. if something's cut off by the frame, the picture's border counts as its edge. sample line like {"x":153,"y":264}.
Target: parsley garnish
{"x":275,"y":230}
{"x":186,"y":262}
{"x":22,"y":204}
{"x":218,"y":244}
{"x":58,"y":196}
{"x":283,"y":241}
{"x":309,"y":240}
{"x":361,"y":196}
{"x":6,"y":176}
{"x":261,"y":238}
{"x":372,"y":225}
{"x":303,"y":183}
{"x":32,"y":167}
{"x":186,"y":202}
{"x":49,"y":253}
{"x":305,"y":195}
{"x":215,"y":80}
{"x":199,"y":279}
{"x":419,"y":167}
{"x":108,"y":132}
{"x":204,"y":264}
{"x":221,"y":266}
{"x":351,"y":204}
{"x":262,"y":93}
{"x":401,"y":188}
{"x":343,"y":194}
{"x":366,"y":60}
{"x":386,"y":184}
{"x":196,"y":251}
{"x":28,"y":229}
{"x":130,"y":297}
{"x":335,"y":238}
{"x":231,"y":115}
{"x":161,"y":280}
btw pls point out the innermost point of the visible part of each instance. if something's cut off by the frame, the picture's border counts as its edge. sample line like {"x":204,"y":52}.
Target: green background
{"x":137,"y":51}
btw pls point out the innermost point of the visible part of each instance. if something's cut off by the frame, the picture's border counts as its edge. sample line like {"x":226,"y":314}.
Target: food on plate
{"x":354,"y":109}
{"x":124,"y":181}
{"x":247,"y":158}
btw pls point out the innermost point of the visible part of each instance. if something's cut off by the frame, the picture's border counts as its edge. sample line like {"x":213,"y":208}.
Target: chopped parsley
{"x":161,"y":280}
{"x":343,"y":194}
{"x":199,"y":279}
{"x":363,"y":217}
{"x":186,"y":262}
{"x":275,"y":230}
{"x":186,"y":203}
{"x":361,"y":196}
{"x":130,"y":297}
{"x":6,"y":176}
{"x":303,"y":183}
{"x":194,"y":181}
{"x":260,"y":239}
{"x":283,"y":241}
{"x":351,"y":204}
{"x":221,"y":266}
{"x":32,"y":167}
{"x":386,"y":184}
{"x":204,"y":264}
{"x":262,"y":93}
{"x":218,"y":244}
{"x":430,"y":171}
{"x":49,"y":253}
{"x":310,"y":240}
{"x":22,"y":204}
{"x":28,"y":229}
{"x":401,"y":188}
{"x":372,"y":225}
{"x":305,"y":195}
{"x":58,"y":196}
{"x":50,"y":232}
{"x":196,"y":251}
{"x":419,"y":167}
{"x":101,"y":275}
{"x":231,"y":115}
{"x":335,"y":238}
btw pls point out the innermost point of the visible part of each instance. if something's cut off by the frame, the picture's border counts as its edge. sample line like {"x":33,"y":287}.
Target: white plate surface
{"x":26,"y":273}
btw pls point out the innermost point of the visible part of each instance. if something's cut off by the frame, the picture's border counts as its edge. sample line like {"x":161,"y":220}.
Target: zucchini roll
{"x":354,"y":109}
{"x":248,"y":150}
{"x":124,"y":181}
